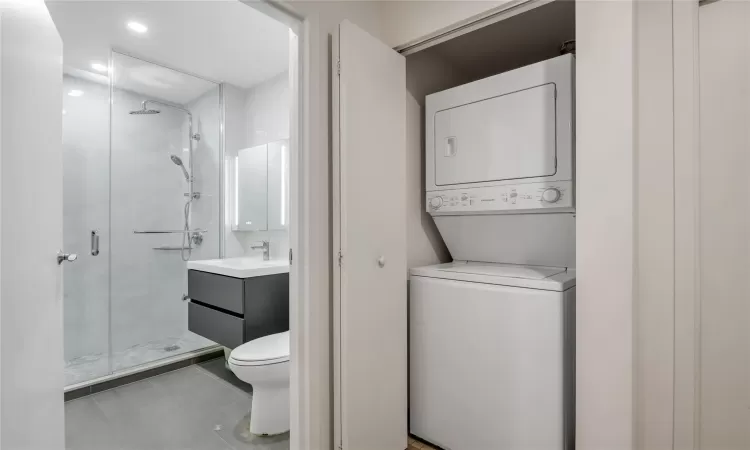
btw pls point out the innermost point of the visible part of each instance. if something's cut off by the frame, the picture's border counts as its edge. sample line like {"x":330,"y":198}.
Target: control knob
{"x":436,"y":202}
{"x":551,"y":195}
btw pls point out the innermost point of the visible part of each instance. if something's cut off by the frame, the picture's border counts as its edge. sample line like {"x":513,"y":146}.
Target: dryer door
{"x":511,"y":136}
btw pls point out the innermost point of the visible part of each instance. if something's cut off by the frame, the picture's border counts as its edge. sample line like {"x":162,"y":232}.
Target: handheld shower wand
{"x":177,"y":160}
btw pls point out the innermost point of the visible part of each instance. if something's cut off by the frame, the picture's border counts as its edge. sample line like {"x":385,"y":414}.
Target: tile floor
{"x":418,"y":445}
{"x":88,"y":367}
{"x":201,"y":407}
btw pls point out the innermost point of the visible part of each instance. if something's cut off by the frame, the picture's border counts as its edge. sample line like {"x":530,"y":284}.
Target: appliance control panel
{"x":507,"y":198}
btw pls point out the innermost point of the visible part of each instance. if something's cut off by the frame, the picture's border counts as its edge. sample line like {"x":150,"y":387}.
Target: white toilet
{"x":264,"y":364}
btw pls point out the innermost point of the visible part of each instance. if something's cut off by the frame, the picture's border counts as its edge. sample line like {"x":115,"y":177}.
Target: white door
{"x":31,"y":348}
{"x":370,"y":360}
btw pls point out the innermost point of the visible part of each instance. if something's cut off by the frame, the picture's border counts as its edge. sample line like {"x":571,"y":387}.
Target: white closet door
{"x":370,"y":361}
{"x":31,"y":356}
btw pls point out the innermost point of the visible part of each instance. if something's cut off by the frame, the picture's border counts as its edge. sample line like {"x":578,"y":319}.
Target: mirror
{"x":251,"y":189}
{"x":261,"y":187}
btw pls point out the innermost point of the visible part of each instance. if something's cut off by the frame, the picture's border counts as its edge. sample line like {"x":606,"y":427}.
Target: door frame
{"x":634,"y":280}
{"x":687,"y":301}
{"x":309,"y":272}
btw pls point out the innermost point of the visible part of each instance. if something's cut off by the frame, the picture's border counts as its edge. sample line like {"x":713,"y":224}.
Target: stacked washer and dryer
{"x":492,"y":334}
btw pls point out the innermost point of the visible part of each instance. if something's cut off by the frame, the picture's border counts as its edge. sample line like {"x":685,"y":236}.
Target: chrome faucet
{"x":266,"y":246}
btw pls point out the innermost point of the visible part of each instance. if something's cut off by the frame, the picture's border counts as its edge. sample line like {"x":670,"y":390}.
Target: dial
{"x":551,"y":195}
{"x":436,"y":202}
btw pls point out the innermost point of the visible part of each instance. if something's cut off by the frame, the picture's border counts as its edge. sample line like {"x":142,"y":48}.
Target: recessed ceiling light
{"x":99,"y":67}
{"x":75,"y":93}
{"x":137,"y":27}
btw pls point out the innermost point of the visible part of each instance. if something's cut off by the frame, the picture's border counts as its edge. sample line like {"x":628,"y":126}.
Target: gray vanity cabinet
{"x":231,"y":311}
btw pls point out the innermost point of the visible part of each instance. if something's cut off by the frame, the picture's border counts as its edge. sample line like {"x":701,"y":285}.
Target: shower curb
{"x":138,"y":376}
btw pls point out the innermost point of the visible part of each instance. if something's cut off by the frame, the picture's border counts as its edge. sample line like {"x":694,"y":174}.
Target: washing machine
{"x":491,"y":335}
{"x":491,"y":351}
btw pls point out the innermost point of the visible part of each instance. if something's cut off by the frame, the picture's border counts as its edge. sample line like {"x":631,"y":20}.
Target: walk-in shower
{"x":124,"y":304}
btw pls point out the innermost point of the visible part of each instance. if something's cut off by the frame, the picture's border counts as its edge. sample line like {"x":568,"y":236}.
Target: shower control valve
{"x":69,"y":257}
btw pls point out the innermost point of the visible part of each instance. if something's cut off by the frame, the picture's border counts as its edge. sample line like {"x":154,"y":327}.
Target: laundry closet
{"x":454,"y":236}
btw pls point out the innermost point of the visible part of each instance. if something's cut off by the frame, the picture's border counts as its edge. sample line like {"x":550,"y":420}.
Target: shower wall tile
{"x":146,"y":194}
{"x":235,"y":126}
{"x":257,"y":116}
{"x":267,"y":111}
{"x":207,"y":166}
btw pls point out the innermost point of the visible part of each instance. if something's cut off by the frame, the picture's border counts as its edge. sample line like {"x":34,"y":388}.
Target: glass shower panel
{"x":86,"y":211}
{"x":150,"y":205}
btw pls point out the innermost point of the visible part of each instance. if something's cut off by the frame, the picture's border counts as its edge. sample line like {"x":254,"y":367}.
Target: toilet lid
{"x":272,"y":347}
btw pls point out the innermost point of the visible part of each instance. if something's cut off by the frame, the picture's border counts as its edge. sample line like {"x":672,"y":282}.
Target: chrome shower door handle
{"x":70,"y":257}
{"x":94,"y":242}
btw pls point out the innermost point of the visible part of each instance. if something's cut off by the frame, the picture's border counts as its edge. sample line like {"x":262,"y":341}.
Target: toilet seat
{"x":272,"y":349}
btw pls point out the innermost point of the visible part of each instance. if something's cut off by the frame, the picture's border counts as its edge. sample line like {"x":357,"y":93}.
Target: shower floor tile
{"x":191,"y":408}
{"x":88,"y":367}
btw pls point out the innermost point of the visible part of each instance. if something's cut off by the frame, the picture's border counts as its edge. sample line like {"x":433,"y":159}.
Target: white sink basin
{"x":240,"y":267}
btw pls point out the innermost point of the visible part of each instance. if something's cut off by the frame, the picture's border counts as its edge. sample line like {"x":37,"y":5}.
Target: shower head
{"x":176,"y":159}
{"x":144,"y":110}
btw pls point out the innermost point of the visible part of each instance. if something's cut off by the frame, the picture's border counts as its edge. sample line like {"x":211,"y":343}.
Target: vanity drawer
{"x":216,"y":290}
{"x":220,"y":327}
{"x":266,"y":305}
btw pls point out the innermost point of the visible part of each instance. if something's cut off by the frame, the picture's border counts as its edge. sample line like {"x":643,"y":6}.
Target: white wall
{"x":256,"y":116}
{"x":267,"y":114}
{"x":235,"y":136}
{"x":267,"y":111}
{"x":426,"y":73}
{"x":206,"y":170}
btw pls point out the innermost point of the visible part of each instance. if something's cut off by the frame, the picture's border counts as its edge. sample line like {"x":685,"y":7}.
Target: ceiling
{"x":520,"y":40}
{"x":220,"y":40}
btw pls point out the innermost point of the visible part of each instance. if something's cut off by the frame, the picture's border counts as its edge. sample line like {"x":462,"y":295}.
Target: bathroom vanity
{"x":236,"y":300}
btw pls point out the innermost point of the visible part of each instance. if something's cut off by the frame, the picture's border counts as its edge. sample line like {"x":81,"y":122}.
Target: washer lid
{"x":504,"y":270}
{"x":536,"y":277}
{"x":272,"y":347}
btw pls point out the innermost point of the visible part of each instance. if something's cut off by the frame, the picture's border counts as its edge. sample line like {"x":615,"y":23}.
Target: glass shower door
{"x":129,"y":171}
{"x":152,"y":145}
{"x":86,"y":228}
